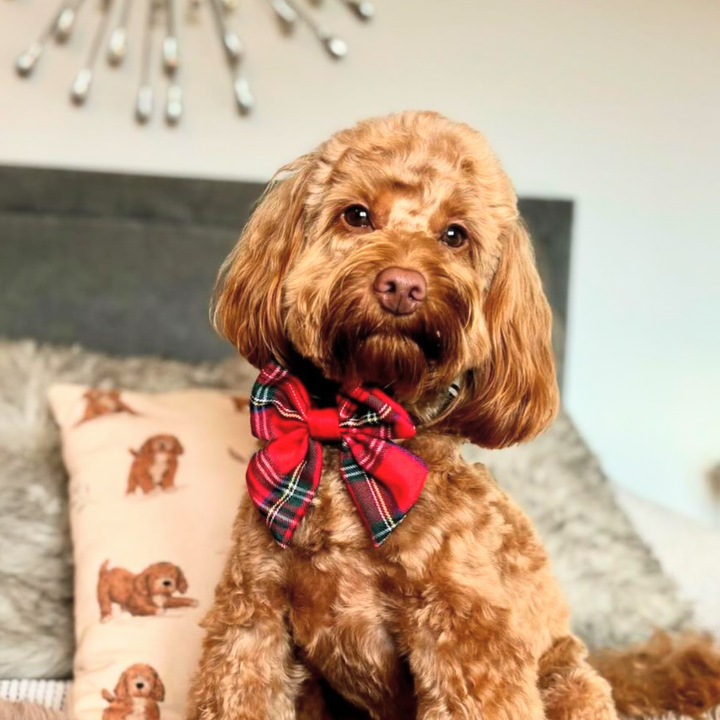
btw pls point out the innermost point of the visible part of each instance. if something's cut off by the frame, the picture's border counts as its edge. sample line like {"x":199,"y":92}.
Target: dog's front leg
{"x":248,"y":670}
{"x":168,"y":477}
{"x":465,"y":660}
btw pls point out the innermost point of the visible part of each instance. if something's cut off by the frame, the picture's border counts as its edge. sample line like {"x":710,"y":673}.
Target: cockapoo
{"x":386,"y":287}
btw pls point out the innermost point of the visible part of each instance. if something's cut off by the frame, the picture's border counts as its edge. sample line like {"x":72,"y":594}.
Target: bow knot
{"x":324,"y":424}
{"x":383,"y":478}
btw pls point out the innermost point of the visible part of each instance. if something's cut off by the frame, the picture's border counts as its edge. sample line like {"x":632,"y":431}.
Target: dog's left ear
{"x":247,"y":303}
{"x":182,"y":583}
{"x":512,"y":395}
{"x":158,"y":691}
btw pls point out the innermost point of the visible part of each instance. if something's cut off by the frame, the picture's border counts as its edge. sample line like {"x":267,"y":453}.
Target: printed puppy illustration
{"x":155,"y":464}
{"x":241,"y":402}
{"x":103,"y":402}
{"x":136,"y":695}
{"x":150,"y":592}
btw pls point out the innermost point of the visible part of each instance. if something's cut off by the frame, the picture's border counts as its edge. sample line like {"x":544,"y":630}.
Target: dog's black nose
{"x":400,"y":291}
{"x":167,"y":583}
{"x":140,"y":685}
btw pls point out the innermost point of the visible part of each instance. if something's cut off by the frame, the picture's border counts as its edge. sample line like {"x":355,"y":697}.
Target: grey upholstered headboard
{"x":125,"y":264}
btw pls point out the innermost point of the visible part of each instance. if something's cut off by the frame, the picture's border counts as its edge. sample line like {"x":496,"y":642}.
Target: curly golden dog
{"x":136,"y":695}
{"x":393,"y":256}
{"x":155,"y":464}
{"x":150,"y":592}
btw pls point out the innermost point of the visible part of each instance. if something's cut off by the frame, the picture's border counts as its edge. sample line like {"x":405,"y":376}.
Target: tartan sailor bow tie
{"x":383,"y":478}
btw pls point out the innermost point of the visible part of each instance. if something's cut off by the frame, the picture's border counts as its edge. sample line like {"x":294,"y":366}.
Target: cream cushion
{"x":155,"y":480}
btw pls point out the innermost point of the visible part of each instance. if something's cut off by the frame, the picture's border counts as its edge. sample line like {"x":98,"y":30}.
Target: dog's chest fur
{"x":159,"y":466}
{"x":139,"y":706}
{"x":343,"y":609}
{"x":159,"y":600}
{"x":349,"y":601}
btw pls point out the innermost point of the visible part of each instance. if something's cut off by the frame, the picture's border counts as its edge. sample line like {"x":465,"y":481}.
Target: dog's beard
{"x":395,"y":362}
{"x":410,"y":357}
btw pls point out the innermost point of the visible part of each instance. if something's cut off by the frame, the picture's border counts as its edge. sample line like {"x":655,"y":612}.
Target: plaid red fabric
{"x":384,"y":479}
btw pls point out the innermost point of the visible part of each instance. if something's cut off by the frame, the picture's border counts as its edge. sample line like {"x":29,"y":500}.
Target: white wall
{"x":614,"y":104}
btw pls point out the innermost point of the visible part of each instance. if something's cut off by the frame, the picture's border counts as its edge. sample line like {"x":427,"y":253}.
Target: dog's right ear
{"x":247,"y":302}
{"x":145,"y":448}
{"x":121,"y":689}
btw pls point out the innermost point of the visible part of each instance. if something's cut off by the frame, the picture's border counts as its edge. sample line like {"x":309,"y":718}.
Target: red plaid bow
{"x":384,"y":479}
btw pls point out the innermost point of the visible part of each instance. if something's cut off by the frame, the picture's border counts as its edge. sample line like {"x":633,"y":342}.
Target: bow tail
{"x":283,"y":498}
{"x":374,"y":503}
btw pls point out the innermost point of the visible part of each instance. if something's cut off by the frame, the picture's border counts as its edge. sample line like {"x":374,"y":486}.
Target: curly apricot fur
{"x":457,"y":616}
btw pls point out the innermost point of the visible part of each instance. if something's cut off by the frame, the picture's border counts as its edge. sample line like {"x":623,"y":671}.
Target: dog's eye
{"x":357,"y":216}
{"x":454,"y":236}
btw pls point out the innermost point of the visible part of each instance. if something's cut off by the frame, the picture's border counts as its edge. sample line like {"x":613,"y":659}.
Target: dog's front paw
{"x":106,"y":618}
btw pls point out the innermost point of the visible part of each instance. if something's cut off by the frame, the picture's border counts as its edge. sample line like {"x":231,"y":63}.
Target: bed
{"x":124,"y":266}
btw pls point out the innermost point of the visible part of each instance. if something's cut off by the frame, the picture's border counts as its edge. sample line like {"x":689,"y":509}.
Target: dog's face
{"x":393,"y":255}
{"x":388,"y":288}
{"x":163,"y":444}
{"x":140,"y":681}
{"x":164,"y":579}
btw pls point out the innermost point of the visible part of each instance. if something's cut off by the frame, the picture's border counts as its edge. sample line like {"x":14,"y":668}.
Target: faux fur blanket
{"x":616,"y":588}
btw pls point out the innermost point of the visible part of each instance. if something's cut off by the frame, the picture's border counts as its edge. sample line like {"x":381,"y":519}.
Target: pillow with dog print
{"x":154,"y":484}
